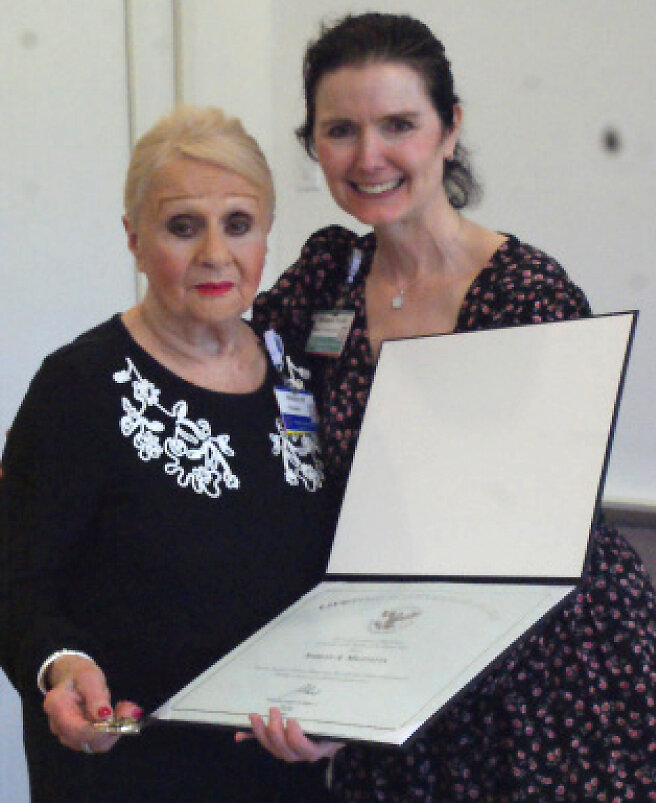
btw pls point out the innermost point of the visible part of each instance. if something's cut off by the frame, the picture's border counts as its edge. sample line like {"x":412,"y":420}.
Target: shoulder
{"x":534,"y":283}
{"x":72,"y":373}
{"x":66,"y":396}
{"x":525,"y":264}
{"x":91,"y":346}
{"x":312,"y":282}
{"x":330,"y":241}
{"x":322,"y":262}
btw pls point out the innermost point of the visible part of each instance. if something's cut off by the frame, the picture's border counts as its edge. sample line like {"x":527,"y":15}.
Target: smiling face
{"x":201,"y":241}
{"x":381,"y":144}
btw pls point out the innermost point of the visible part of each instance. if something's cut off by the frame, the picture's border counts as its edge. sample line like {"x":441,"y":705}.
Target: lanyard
{"x":354,"y":267}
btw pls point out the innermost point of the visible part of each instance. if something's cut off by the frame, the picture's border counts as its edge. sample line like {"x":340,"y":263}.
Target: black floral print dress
{"x":570,"y":714}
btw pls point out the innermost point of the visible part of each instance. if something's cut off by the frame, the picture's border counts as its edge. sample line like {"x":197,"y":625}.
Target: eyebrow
{"x":329,"y":121}
{"x":167,"y":199}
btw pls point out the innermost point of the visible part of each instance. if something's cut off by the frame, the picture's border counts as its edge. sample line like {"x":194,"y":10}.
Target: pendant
{"x":398,"y":300}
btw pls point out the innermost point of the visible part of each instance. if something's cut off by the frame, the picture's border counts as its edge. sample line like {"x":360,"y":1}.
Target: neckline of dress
{"x":269,"y":377}
{"x":367,"y":243}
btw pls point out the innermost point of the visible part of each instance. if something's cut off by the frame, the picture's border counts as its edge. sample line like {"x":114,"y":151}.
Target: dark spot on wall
{"x":611,"y":140}
{"x":532,"y":82}
{"x":29,"y":40}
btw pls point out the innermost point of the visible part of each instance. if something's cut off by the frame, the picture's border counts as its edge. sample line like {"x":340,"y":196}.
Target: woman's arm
{"x":52,"y":479}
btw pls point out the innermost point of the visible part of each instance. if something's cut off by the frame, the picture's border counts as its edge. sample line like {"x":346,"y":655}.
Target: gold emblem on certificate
{"x":394,"y":619}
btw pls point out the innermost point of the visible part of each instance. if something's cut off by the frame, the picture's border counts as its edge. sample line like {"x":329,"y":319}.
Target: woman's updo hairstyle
{"x":356,"y":40}
{"x":203,"y":133}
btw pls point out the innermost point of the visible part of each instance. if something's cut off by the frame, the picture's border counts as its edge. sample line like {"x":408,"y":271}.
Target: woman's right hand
{"x":78,"y":697}
{"x":285,"y":739}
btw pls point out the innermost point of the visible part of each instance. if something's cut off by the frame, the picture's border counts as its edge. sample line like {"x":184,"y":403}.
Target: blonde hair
{"x":206,"y":134}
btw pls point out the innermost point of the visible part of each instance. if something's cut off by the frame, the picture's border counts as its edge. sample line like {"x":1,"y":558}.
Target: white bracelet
{"x":45,"y":666}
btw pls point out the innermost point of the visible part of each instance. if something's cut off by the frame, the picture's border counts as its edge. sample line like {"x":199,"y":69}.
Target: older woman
{"x":570,"y":714}
{"x":152,"y":499}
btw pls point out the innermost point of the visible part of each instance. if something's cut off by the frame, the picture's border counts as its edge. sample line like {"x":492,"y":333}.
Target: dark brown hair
{"x":359,"y":39}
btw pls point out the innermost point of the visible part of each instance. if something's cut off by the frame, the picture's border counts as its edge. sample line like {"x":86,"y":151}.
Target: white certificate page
{"x":366,"y":661}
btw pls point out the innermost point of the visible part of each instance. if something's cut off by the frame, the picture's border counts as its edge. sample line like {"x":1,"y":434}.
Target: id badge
{"x":330,"y":329}
{"x":298,"y":410}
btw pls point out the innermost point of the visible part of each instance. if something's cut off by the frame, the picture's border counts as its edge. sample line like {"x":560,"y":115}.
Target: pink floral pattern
{"x":569,"y":714}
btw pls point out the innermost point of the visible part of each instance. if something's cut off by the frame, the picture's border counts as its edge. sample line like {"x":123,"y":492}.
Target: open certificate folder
{"x":466,"y":520}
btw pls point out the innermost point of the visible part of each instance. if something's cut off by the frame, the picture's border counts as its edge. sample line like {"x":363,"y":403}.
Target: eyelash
{"x":186,"y":226}
{"x":399,"y":125}
{"x":395,"y":125}
{"x":239,"y":224}
{"x":182,"y":226}
{"x":340,"y":130}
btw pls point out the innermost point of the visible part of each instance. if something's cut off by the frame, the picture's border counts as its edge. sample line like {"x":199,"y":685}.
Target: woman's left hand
{"x":286,"y":740}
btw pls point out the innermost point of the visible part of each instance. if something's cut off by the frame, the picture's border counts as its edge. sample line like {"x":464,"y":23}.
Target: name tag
{"x":298,"y":410}
{"x":330,"y":330}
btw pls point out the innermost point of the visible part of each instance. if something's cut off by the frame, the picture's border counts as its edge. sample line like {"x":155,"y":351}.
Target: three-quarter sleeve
{"x":52,"y":479}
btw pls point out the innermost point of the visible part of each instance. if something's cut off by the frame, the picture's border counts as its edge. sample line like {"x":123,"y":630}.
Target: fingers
{"x":67,"y":716}
{"x":91,"y":685}
{"x":63,"y":707}
{"x":84,"y":677}
{"x":126,"y":709}
{"x":79,"y":697}
{"x":309,"y":750}
{"x":287,"y":741}
{"x":272,"y":736}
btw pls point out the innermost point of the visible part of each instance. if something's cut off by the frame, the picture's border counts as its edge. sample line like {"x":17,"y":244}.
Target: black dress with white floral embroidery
{"x":570,"y":714}
{"x":153,"y":525}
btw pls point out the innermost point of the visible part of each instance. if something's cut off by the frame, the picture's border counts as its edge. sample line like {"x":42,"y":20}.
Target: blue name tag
{"x":298,"y":410}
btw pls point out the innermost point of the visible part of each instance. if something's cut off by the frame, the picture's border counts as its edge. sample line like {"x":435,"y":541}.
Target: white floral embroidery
{"x":296,"y":375}
{"x":192,"y":442}
{"x":196,"y":458}
{"x":301,"y":457}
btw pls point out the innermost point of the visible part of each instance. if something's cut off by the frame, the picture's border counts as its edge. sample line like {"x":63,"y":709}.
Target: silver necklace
{"x":399,"y":299}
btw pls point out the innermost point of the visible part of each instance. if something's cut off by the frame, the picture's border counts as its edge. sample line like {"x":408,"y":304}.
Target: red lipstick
{"x":215,"y":288}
